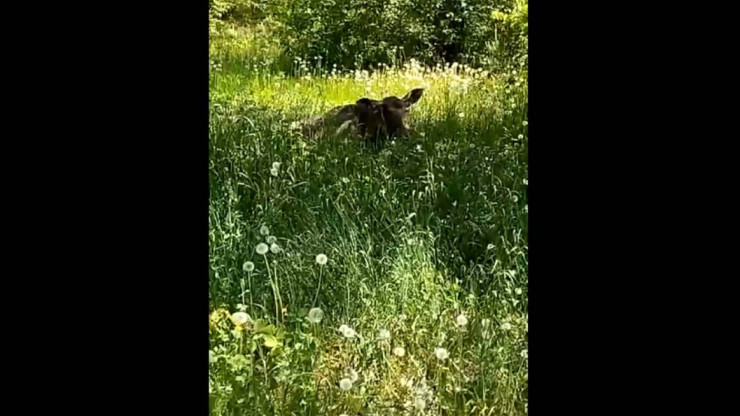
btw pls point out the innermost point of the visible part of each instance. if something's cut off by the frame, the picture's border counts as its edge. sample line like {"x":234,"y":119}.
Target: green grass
{"x":416,"y":234}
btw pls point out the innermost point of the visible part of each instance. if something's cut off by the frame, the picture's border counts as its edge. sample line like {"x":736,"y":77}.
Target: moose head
{"x":387,"y":117}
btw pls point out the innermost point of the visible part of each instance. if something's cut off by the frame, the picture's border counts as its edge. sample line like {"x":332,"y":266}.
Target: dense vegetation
{"x":350,"y":280}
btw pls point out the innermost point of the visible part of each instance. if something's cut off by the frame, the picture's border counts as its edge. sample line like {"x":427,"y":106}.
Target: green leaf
{"x":271,"y":342}
{"x":260,"y":327}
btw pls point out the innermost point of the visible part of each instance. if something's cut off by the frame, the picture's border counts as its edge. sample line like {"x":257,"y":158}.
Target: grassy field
{"x":351,"y":280}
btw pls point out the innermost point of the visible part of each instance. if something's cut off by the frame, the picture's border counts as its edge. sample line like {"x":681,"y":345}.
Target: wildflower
{"x":261,"y":248}
{"x":353,"y":376}
{"x":315,"y":315}
{"x":271,"y":239}
{"x":347,"y":331}
{"x":384,"y":334}
{"x":441,"y":353}
{"x":211,"y":357}
{"x":321,"y":259}
{"x":518,"y":291}
{"x":461,"y":115}
{"x":525,"y":123}
{"x":240,"y":318}
{"x":461,"y":320}
{"x":248,"y":266}
{"x":399,"y":351}
{"x":521,"y":136}
{"x":506,"y":326}
{"x":264,"y":230}
{"x":345,"y":384}
{"x":274,"y":248}
{"x":524,"y":354}
{"x":420,"y":404}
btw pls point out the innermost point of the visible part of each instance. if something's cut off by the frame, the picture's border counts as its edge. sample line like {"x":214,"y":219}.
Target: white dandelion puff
{"x":461,"y":320}
{"x":384,"y":334}
{"x":274,"y":248}
{"x":248,"y":266}
{"x":345,"y":384}
{"x":441,"y":353}
{"x":261,"y":248}
{"x":321,"y":259}
{"x":347,"y":332}
{"x":315,"y":315}
{"x":399,"y":351}
{"x":240,"y":318}
{"x":264,"y":230}
{"x":271,"y":239}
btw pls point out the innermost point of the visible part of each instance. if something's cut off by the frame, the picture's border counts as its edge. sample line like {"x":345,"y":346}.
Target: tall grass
{"x":416,"y":234}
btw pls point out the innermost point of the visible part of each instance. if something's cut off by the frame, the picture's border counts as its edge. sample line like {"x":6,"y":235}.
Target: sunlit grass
{"x":415,"y":249}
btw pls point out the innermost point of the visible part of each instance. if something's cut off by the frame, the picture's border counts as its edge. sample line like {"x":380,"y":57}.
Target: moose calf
{"x":371,"y":119}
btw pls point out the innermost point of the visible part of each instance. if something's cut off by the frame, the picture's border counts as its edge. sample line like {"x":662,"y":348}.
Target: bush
{"x":365,"y":33}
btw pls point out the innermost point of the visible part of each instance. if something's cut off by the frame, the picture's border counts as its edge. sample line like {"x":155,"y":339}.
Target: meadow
{"x":350,"y":280}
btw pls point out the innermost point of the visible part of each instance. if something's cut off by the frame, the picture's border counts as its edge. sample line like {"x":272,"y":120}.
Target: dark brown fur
{"x":373,"y":119}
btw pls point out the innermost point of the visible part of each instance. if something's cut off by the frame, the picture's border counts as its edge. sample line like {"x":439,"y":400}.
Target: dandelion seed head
{"x":345,"y":384}
{"x":441,"y":353}
{"x":264,"y":230}
{"x":347,"y":332}
{"x":461,"y":320}
{"x":384,"y":334}
{"x":274,"y":248}
{"x":261,"y":249}
{"x":321,"y":259}
{"x":271,"y":239}
{"x":315,"y":315}
{"x":240,"y":318}
{"x":248,"y":266}
{"x":399,"y":351}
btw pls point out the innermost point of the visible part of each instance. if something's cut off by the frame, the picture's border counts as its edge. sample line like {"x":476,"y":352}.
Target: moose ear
{"x":414,"y":95}
{"x":364,"y":102}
